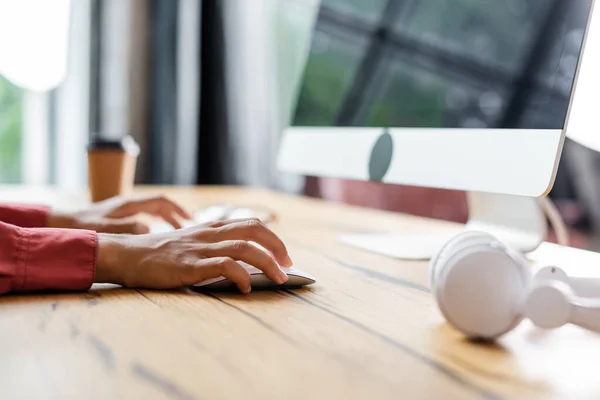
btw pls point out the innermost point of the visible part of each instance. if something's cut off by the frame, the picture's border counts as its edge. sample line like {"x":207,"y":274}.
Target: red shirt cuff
{"x":26,"y":216}
{"x":56,"y":259}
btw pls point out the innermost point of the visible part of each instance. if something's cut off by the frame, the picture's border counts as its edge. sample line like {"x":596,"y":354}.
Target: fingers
{"x":162,"y":203}
{"x":174,"y":207}
{"x":158,"y":206}
{"x":246,"y":252}
{"x":255,"y":231}
{"x":162,"y":207}
{"x":221,"y":266}
{"x":168,"y":217}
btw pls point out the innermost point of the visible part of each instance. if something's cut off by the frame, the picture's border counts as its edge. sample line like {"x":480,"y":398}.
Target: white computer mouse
{"x":258,"y":280}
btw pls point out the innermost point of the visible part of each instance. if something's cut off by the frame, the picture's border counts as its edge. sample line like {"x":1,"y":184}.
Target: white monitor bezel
{"x":519,"y":162}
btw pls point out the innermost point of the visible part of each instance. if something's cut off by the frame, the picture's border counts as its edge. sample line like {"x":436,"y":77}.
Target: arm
{"x":26,"y":216}
{"x":34,"y":259}
{"x":111,"y":216}
{"x":44,"y":258}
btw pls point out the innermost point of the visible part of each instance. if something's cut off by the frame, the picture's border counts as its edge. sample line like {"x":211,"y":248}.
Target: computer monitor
{"x":469,"y":95}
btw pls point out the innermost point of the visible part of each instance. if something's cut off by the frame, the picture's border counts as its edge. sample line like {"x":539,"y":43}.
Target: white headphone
{"x":484,"y":289}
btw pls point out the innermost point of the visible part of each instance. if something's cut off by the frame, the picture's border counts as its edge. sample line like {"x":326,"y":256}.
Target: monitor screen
{"x":442,"y":63}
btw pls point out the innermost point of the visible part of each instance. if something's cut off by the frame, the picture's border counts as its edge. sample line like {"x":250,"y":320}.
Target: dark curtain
{"x":213,"y":157}
{"x":174,"y":149}
{"x":186,"y":109}
{"x":163,"y":107}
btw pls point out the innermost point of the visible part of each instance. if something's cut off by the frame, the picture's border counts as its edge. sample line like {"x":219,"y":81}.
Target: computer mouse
{"x":258,"y":280}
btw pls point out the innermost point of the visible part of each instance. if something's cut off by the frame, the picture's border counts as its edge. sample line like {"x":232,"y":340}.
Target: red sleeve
{"x":27,"y":216}
{"x":43,"y":258}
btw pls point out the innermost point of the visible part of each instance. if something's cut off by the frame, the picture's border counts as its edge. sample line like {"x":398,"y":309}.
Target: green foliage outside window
{"x":10,"y":132}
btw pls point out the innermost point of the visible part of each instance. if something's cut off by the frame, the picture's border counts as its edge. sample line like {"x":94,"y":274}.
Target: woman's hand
{"x":189,"y":256}
{"x":115,"y":215}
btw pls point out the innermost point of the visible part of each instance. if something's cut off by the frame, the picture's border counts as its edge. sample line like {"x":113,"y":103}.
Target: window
{"x":414,"y":96}
{"x":11,"y":121}
{"x":44,"y":121}
{"x":497,"y":33}
{"x":329,"y":74}
{"x":370,"y":10}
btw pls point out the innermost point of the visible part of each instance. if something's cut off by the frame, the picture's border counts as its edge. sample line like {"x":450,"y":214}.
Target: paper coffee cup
{"x":111,"y":167}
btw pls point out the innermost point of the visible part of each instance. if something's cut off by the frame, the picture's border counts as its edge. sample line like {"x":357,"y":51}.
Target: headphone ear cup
{"x":462,"y":240}
{"x":517,"y":257}
{"x":478,"y":283}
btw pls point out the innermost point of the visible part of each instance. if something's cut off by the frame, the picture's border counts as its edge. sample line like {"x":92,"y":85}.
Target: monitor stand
{"x":517,"y":221}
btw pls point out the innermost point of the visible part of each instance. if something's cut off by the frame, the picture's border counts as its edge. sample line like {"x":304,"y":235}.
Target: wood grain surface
{"x":368,"y":329}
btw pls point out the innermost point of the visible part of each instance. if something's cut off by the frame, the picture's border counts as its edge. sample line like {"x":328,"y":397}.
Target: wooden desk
{"x":368,"y":329}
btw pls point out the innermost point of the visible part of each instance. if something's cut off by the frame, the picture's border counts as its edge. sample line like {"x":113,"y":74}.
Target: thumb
{"x":129,"y":226}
